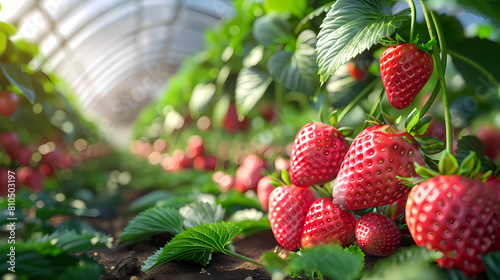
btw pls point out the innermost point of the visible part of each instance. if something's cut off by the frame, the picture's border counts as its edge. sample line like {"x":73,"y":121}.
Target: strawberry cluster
{"x":452,"y":213}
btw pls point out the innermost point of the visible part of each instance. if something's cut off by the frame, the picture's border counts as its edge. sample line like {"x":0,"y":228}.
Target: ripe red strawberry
{"x":327,"y":223}
{"x":456,"y":215}
{"x":264,"y":189}
{"x":288,"y":207}
{"x":367,"y":177}
{"x":405,"y":70}
{"x":317,"y":153}
{"x":377,"y":234}
{"x":249,"y":173}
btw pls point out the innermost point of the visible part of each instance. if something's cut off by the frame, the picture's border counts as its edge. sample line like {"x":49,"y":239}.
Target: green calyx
{"x":388,"y":42}
{"x":448,"y":165}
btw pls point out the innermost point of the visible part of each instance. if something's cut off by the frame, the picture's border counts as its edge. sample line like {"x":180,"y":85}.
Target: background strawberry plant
{"x":211,"y":165}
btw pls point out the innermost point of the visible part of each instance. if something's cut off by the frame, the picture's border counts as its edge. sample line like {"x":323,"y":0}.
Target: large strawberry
{"x":377,"y":234}
{"x":456,"y":215}
{"x":317,"y":153}
{"x":405,"y":70}
{"x":368,"y":175}
{"x":288,"y":207}
{"x":327,"y":223}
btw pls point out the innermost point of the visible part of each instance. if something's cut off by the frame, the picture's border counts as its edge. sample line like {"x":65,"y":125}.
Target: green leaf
{"x":251,"y":85}
{"x":195,"y":244}
{"x":151,"y":261}
{"x":469,"y":164}
{"x":8,"y":29}
{"x":415,"y":125}
{"x":421,"y":127}
{"x":409,"y":256}
{"x":330,"y":260}
{"x":429,"y":145}
{"x":425,"y":172}
{"x":19,"y":79}
{"x":492,"y":263}
{"x":297,"y":70}
{"x":286,"y":177}
{"x":357,"y":251}
{"x":468,"y":144}
{"x":200,"y":98}
{"x":152,"y":221}
{"x":272,"y":29}
{"x":72,"y":242}
{"x":351,"y":27}
{"x":198,"y":213}
{"x":296,"y":7}
{"x":448,"y":164}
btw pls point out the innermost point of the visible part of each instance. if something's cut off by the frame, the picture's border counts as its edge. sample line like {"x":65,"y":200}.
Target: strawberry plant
{"x":311,"y":139}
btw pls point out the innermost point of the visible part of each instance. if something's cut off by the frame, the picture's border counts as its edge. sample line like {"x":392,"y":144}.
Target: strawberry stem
{"x":356,"y":100}
{"x":440,"y":69}
{"x":413,"y":16}
{"x":236,"y":255}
